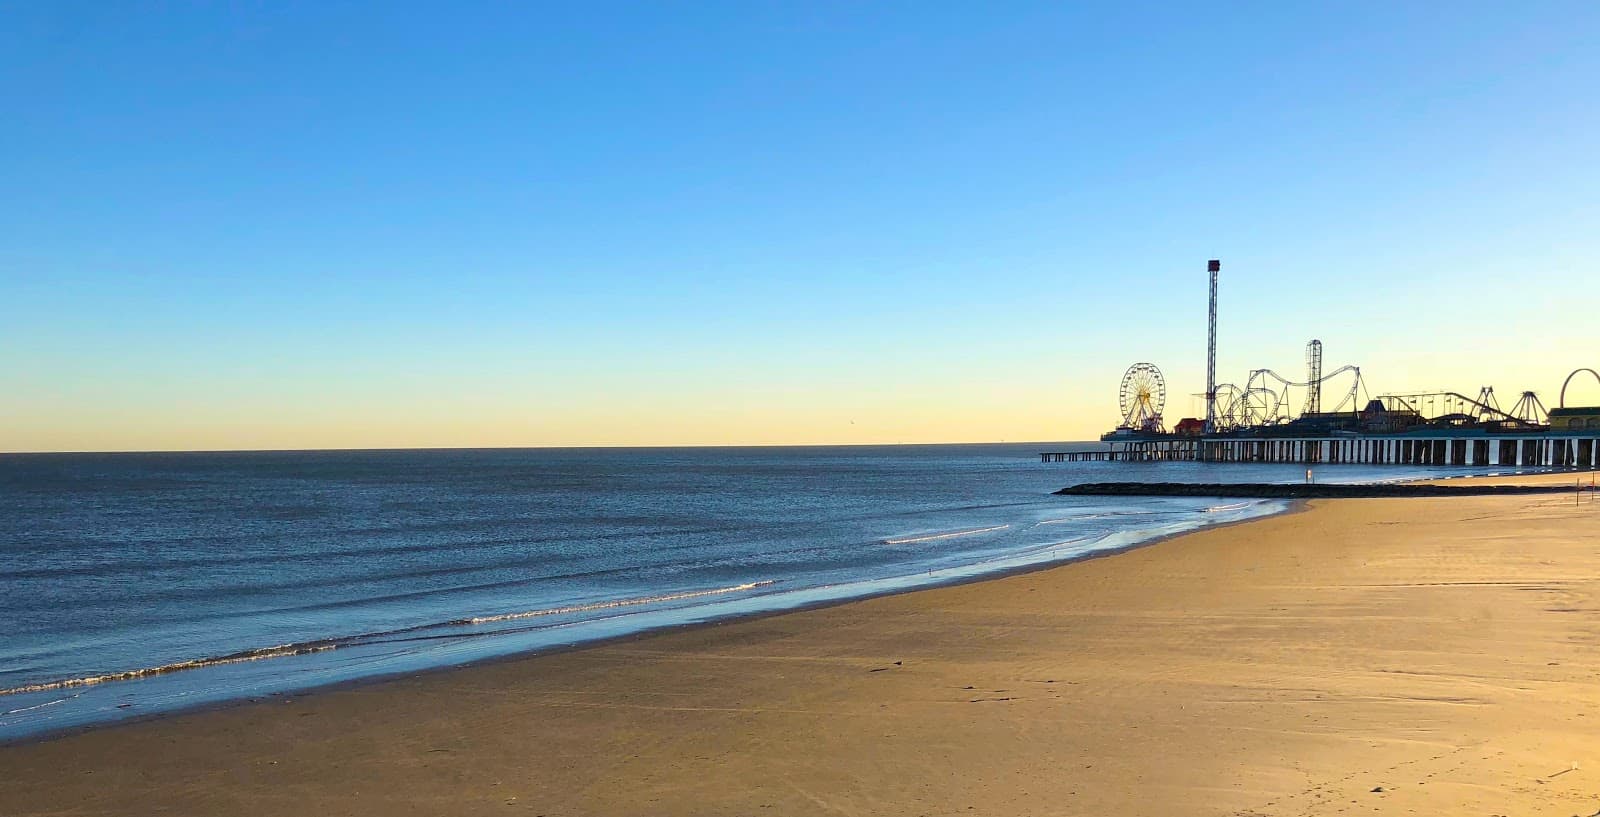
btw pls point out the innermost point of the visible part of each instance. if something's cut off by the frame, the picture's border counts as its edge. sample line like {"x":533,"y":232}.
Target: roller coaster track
{"x":1352,"y":397}
{"x":1418,"y":401}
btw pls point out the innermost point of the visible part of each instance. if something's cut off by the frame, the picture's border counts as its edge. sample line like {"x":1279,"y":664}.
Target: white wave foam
{"x":38,"y":706}
{"x":280,"y":651}
{"x":1086,"y":516}
{"x":1220,"y":508}
{"x":953,"y":534}
{"x":608,"y":605}
{"x":324,"y":645}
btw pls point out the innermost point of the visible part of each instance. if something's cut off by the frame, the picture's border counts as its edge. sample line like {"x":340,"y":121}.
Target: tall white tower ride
{"x":1214,"y":266}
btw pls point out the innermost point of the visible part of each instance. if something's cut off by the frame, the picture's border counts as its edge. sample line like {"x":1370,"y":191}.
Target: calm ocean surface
{"x":132,"y":584}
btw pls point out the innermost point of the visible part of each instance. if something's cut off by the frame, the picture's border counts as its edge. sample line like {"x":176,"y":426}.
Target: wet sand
{"x":1388,"y":656}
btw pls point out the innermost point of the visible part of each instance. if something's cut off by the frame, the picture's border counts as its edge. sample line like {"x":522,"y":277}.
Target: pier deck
{"x":1542,"y":449}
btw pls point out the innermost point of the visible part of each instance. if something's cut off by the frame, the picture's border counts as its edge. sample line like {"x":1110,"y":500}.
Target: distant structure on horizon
{"x":1255,"y":423}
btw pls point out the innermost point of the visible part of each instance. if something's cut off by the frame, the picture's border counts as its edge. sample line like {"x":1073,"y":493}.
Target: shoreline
{"x":1292,"y":506}
{"x":764,"y":676}
{"x":1294,"y":502}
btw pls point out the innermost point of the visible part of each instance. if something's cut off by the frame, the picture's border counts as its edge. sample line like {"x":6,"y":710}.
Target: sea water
{"x":134,"y":584}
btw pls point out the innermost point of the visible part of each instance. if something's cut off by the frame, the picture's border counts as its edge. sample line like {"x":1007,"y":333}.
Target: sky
{"x":357,"y":225}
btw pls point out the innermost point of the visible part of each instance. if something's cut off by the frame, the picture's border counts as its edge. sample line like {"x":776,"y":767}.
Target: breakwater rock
{"x":1264,"y":490}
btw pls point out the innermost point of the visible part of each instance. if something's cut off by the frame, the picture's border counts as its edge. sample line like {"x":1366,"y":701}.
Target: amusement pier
{"x":1277,"y":419}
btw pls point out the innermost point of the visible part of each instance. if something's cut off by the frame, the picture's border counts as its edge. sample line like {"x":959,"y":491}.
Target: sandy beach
{"x":1365,"y":656}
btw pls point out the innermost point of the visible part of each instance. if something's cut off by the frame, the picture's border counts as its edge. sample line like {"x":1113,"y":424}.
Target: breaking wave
{"x":611,"y":605}
{"x":327,"y":644}
{"x":1221,"y":508}
{"x":951,"y":535}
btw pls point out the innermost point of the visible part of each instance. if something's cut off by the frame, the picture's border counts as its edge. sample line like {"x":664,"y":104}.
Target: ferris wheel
{"x":1142,"y":397}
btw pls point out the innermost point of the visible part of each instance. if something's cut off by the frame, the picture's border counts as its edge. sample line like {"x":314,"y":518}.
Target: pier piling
{"x":1531,"y":450}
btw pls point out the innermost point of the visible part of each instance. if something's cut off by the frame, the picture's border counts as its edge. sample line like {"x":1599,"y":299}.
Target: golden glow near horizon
{"x":962,"y":403}
{"x":727,"y":418}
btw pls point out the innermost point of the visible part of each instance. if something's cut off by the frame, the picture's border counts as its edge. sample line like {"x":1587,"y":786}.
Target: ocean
{"x":137,"y":584}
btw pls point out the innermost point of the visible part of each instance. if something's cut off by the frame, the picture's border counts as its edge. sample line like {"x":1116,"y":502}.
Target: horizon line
{"x":527,"y":447}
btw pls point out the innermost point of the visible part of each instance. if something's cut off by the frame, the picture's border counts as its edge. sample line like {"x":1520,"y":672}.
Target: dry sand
{"x":1446,"y":651}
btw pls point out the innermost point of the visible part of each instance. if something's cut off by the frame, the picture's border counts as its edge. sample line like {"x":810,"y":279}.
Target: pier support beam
{"x":1531,"y":450}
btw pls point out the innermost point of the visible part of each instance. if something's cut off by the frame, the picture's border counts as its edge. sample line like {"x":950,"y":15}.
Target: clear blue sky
{"x":371,"y":224}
